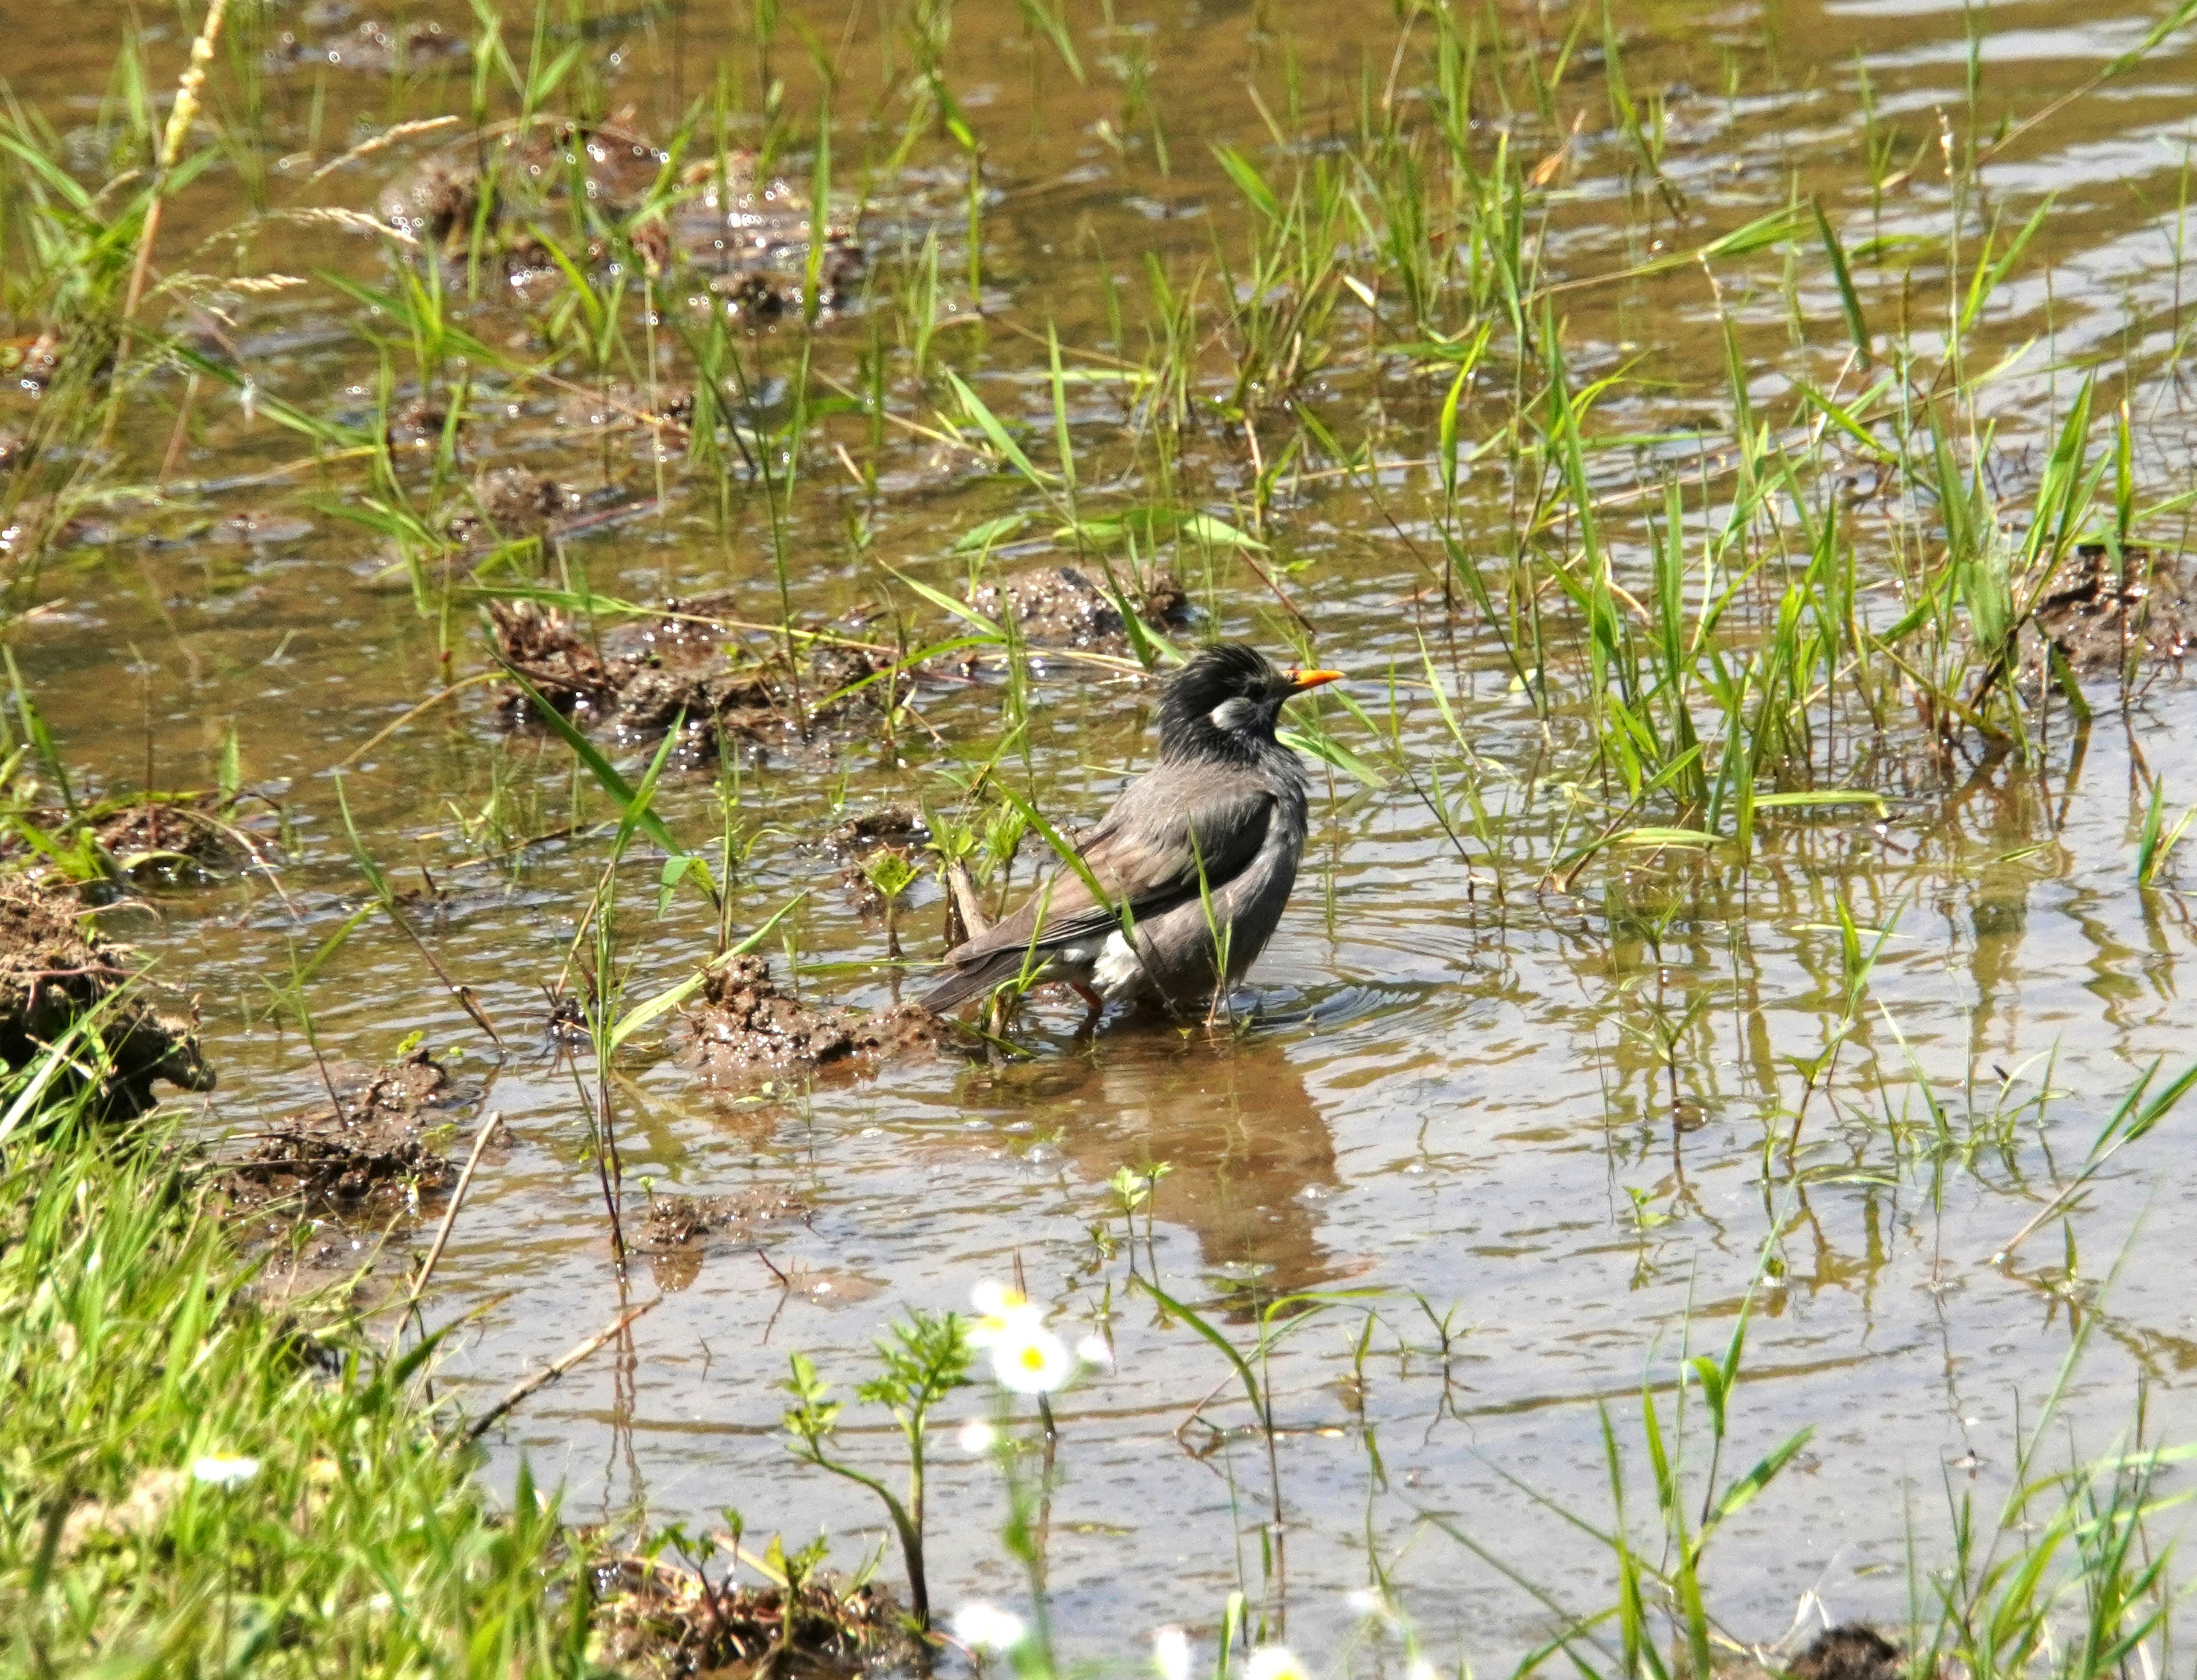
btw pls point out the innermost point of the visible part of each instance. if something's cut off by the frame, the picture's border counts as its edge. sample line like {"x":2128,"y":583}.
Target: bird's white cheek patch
{"x":1231,"y":714}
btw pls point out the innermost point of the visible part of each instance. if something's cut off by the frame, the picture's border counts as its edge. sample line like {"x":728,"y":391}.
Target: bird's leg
{"x":1092,"y":1002}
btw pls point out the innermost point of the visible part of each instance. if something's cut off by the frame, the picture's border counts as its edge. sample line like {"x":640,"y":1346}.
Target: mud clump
{"x":904,"y":1029}
{"x":1059,"y":606}
{"x":173,"y":838}
{"x":744,"y":1024}
{"x":654,"y":1617}
{"x":438,"y":202}
{"x":54,"y":974}
{"x":369,"y":1155}
{"x":896,"y":825}
{"x":745,"y":236}
{"x":515,"y":503}
{"x":628,"y":405}
{"x":2097,"y":614}
{"x":674,"y":670}
{"x":673,"y":1235}
{"x":553,"y":655}
{"x":374,"y":47}
{"x":35,"y":362}
{"x":674,"y":1220}
{"x":1851,"y":1651}
{"x":417,"y":424}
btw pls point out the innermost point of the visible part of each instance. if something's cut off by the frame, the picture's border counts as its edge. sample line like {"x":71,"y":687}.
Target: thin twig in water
{"x":443,"y":1232}
{"x":542,"y":1378}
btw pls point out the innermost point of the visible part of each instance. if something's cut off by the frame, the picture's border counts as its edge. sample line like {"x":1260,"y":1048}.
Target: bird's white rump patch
{"x":1119,"y":968}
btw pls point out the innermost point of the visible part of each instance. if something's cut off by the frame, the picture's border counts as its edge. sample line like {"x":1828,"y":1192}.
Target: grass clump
{"x":190,"y":1483}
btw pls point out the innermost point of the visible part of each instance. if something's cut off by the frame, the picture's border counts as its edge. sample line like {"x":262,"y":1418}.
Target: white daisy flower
{"x":986,"y":1627}
{"x":977,"y":1437}
{"x":1095,"y":1352}
{"x":1030,"y":1359}
{"x":1001,"y":1312}
{"x":1171,"y":1654}
{"x":1275,"y":1662}
{"x":224,"y":1469}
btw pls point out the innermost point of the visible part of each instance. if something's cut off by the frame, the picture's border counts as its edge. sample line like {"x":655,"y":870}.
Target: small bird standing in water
{"x":1202,"y":850}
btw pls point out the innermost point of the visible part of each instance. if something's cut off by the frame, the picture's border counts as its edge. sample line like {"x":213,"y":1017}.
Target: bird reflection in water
{"x":1248,"y":1153}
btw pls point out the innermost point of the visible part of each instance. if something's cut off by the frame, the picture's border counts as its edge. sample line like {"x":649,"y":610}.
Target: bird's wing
{"x":1146,"y":853}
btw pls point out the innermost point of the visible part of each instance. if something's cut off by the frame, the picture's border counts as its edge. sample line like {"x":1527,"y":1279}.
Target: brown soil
{"x":173,"y":837}
{"x":419,"y":425}
{"x":655,"y":1617}
{"x":1060,"y":606}
{"x":744,"y":1024}
{"x":674,"y":1220}
{"x":644,"y":677}
{"x":899,"y":825}
{"x":672,"y":1236}
{"x":554,"y":654}
{"x":53,"y":974}
{"x":516,"y":503}
{"x":750,"y":245}
{"x":1852,"y":1651}
{"x":627,"y":406}
{"x":261,"y":528}
{"x":33,"y":362}
{"x":36,"y":525}
{"x":2097,"y":614}
{"x":369,"y":1156}
{"x":372,"y":47}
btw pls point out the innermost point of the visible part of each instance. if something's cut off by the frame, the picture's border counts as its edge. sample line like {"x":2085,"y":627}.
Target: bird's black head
{"x":1224,"y":704}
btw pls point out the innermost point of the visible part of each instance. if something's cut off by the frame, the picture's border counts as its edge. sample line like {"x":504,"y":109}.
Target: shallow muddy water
{"x":1552,"y":1117}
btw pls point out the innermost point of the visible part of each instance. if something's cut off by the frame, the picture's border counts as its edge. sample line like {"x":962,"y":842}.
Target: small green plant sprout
{"x":923,"y":1360}
{"x":890,"y":872}
{"x":1131,"y":1190}
{"x":2156,"y":842}
{"x":1645,"y":1216}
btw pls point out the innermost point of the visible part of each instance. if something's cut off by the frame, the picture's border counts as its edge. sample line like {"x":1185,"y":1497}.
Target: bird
{"x":1201,"y":851}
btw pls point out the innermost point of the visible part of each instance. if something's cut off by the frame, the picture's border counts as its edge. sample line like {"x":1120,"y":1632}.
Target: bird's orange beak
{"x":1302,"y":680}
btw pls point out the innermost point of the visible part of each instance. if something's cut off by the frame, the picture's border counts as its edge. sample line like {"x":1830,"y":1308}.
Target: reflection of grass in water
{"x":1723,"y":655}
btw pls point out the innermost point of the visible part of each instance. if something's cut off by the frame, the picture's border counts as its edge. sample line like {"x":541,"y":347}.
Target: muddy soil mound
{"x":896,"y":825}
{"x":2097,"y":613}
{"x":654,"y":1617}
{"x":173,"y":837}
{"x":744,"y":1024}
{"x":674,"y":1220}
{"x":747,"y":236}
{"x":54,"y":973}
{"x":326,"y":39}
{"x":677,"y":1232}
{"x":644,"y":677}
{"x":1851,"y":1651}
{"x":1062,"y":607}
{"x":369,"y":1156}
